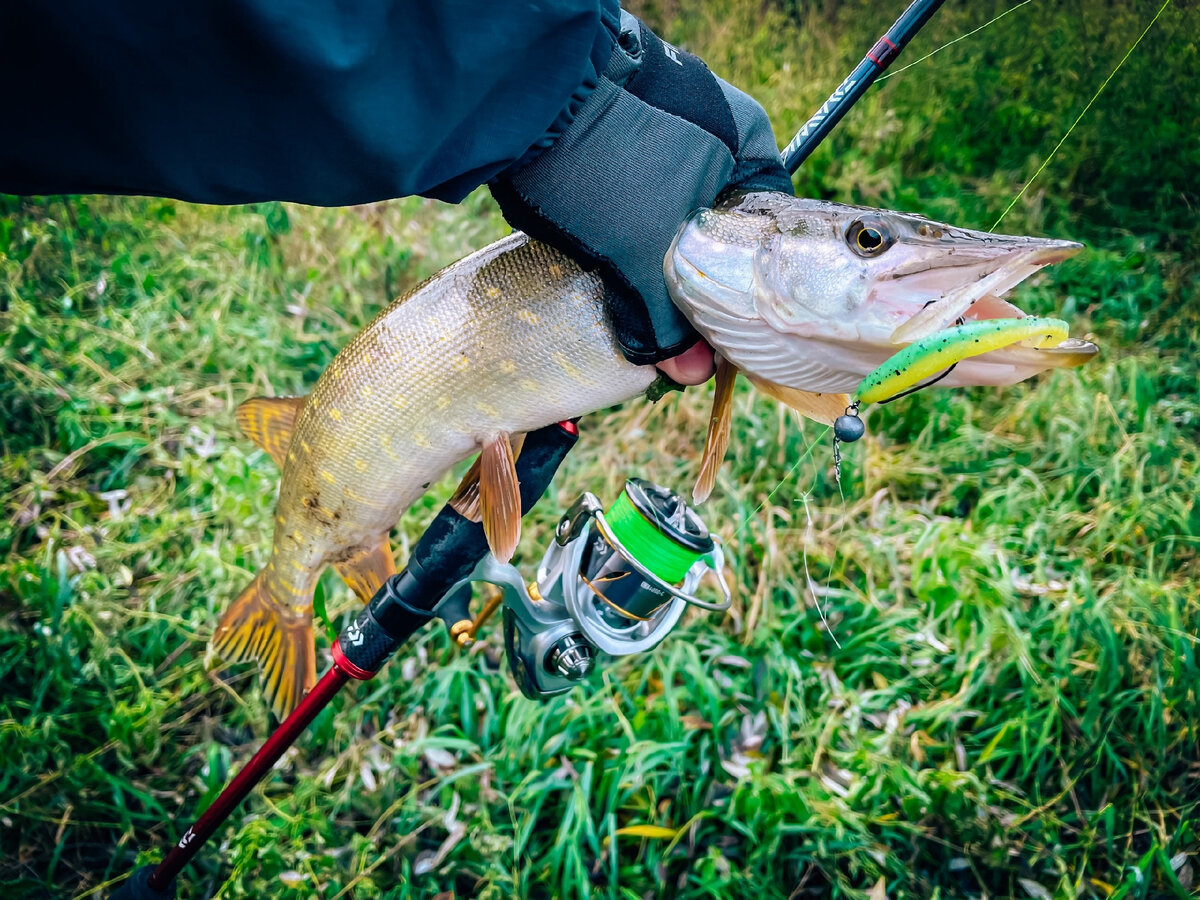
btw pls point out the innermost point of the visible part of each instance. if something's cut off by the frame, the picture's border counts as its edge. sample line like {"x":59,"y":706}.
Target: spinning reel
{"x":611,"y":584}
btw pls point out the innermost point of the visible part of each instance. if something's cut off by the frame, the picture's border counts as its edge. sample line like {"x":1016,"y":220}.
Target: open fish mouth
{"x":982,"y":298}
{"x":814,"y":296}
{"x":981,"y":282}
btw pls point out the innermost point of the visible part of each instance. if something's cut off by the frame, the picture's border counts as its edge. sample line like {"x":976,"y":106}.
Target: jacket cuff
{"x":602,"y":50}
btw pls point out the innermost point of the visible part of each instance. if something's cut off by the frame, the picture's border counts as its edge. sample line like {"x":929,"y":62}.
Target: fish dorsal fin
{"x":269,"y":422}
{"x":716,"y":442}
{"x":367,"y":570}
{"x":823,"y":408}
{"x":500,"y":497}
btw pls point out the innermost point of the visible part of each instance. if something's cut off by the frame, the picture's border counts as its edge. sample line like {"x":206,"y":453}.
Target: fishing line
{"x":804,"y":497}
{"x":1007,"y":209}
{"x":919,"y":387}
{"x":812,"y":588}
{"x":1095,"y":96}
{"x":786,"y":475}
{"x":961,"y":37}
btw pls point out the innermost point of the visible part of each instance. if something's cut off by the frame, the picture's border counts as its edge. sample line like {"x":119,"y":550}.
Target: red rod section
{"x":252,"y":773}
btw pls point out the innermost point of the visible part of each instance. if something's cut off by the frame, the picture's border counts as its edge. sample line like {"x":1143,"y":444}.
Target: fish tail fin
{"x":258,"y":626}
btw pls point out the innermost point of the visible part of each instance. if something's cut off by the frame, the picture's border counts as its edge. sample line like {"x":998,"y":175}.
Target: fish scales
{"x":508,"y":340}
{"x":497,"y":344}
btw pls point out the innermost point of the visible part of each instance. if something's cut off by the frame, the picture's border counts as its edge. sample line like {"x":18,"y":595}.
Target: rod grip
{"x":446,"y":553}
{"x":137,"y":887}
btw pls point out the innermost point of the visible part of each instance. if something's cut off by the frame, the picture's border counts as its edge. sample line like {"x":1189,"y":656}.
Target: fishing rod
{"x":613,"y":583}
{"x":878,"y":58}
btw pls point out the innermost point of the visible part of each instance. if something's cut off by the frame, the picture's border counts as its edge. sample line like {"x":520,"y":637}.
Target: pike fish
{"x":804,"y":297}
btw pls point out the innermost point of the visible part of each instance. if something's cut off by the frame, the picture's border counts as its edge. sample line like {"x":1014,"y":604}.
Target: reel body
{"x":602,"y":589}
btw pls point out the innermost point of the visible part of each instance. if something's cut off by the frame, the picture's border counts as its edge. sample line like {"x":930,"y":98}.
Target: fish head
{"x":814,"y":296}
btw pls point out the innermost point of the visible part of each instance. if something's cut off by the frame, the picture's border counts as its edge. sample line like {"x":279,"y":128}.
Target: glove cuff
{"x":610,"y":193}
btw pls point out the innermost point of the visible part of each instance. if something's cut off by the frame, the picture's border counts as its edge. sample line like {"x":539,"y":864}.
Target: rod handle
{"x":137,"y":887}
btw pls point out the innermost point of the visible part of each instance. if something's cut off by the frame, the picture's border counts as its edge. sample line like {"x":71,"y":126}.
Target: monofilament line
{"x":961,"y":37}
{"x":812,"y":588}
{"x":788,"y":474}
{"x":808,"y":451}
{"x":1095,"y":96}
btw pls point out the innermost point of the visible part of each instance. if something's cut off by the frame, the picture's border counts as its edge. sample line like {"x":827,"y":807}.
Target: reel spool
{"x":612,"y":584}
{"x":656,"y":531}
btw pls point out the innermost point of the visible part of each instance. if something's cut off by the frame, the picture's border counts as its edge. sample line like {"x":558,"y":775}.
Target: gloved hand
{"x":660,"y":137}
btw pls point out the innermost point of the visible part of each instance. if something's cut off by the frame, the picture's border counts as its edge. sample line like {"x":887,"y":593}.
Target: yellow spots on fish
{"x":492,"y":291}
{"x":327,"y":477}
{"x":291,"y":455}
{"x":461,"y":363}
{"x":298,"y":566}
{"x":421,"y":440}
{"x":507,"y":366}
{"x":528,"y":316}
{"x":290,"y":586}
{"x":366,"y":390}
{"x":336,"y":371}
{"x":566,"y":365}
{"x":438,"y":330}
{"x":555,"y":270}
{"x":271,"y":566}
{"x":360,"y":465}
{"x":305,"y":447}
{"x":529,"y":384}
{"x":335,"y":414}
{"x":281,"y":520}
{"x":487,"y":409}
{"x":442,"y":402}
{"x":298,"y":537}
{"x":368,"y":502}
{"x":399,"y":402}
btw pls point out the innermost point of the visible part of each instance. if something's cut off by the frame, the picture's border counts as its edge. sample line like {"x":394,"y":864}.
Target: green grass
{"x":992,"y":690}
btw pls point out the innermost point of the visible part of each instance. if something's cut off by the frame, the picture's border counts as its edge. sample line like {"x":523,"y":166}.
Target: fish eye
{"x":868,"y":239}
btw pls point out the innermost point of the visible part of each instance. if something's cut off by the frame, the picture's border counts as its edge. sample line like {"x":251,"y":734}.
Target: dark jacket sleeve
{"x":324,"y":102}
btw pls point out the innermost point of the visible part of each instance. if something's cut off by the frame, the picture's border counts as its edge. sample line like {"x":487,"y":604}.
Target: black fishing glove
{"x":660,"y":137}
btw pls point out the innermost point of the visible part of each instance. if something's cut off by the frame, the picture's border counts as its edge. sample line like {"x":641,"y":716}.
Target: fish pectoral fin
{"x":270,"y":422}
{"x":716,"y":442}
{"x":257,"y":626}
{"x":823,"y":408}
{"x":366,"y":571}
{"x":465,"y":499}
{"x":500,"y":497}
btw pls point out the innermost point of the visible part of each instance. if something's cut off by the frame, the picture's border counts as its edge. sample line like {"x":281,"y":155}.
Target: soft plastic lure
{"x":932,"y":354}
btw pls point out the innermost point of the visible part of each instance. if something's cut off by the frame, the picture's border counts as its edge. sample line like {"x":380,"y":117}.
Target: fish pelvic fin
{"x":823,"y":408}
{"x":270,"y":423}
{"x":258,"y":626}
{"x":366,"y":571}
{"x":465,"y":499}
{"x":716,"y":442}
{"x":500,"y":497}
